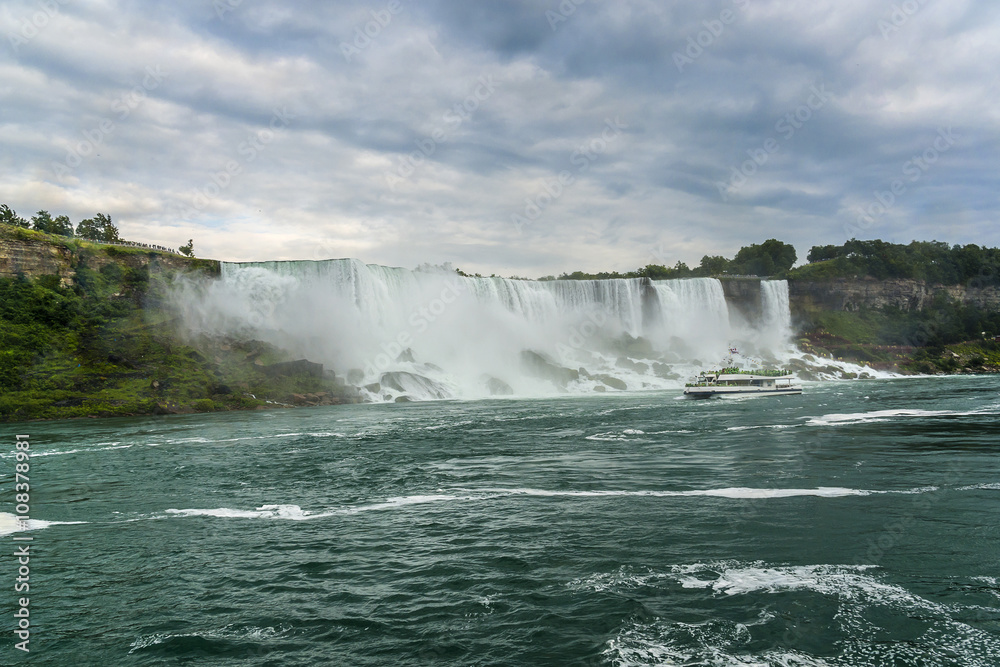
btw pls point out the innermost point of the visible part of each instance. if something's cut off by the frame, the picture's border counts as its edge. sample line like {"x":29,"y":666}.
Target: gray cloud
{"x":376,"y":160}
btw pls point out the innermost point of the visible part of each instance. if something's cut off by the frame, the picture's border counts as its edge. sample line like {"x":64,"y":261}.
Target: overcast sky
{"x":517,"y":137}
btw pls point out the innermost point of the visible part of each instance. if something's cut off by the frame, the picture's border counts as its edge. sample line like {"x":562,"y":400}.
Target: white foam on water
{"x":290,"y":512}
{"x":737,"y":579}
{"x":435,"y":427}
{"x":731,"y":492}
{"x":625,"y":578}
{"x":60,"y":452}
{"x":205,"y":441}
{"x":840,"y":419}
{"x":612,"y":436}
{"x":404,"y":501}
{"x":229,"y":632}
{"x":715,"y":644}
{"x":911,"y":492}
{"x":751,"y":428}
{"x":989,"y":486}
{"x":10,"y":524}
{"x":296,"y":513}
{"x":859,"y":590}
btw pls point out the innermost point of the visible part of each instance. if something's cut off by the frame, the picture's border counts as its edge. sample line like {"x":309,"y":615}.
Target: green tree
{"x":819,"y":253}
{"x":188,"y":248}
{"x":41,"y":221}
{"x":9,"y":217}
{"x":99,"y":228}
{"x":770,"y":257}
{"x":660,"y":272}
{"x":61,"y":225}
{"x":714,"y":265}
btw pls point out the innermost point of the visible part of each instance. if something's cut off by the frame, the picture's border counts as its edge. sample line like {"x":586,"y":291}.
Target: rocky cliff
{"x":32,"y":254}
{"x":909,"y":295}
{"x":743,"y":296}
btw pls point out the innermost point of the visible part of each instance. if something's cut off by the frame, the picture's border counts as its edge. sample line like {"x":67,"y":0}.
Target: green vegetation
{"x":44,"y":222}
{"x":947,"y":336}
{"x":934,"y":262}
{"x":106,"y":343}
{"x":9,"y":217}
{"x":770,"y":258}
{"x":99,"y":228}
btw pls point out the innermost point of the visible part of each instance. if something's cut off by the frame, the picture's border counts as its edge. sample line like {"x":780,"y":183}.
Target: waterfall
{"x":776,"y":313}
{"x":435,"y":333}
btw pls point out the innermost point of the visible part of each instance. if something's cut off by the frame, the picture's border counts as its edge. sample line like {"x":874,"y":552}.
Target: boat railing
{"x":741,"y":371}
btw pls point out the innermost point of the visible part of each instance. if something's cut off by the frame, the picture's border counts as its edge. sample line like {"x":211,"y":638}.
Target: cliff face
{"x":743,"y":296}
{"x":32,"y":254}
{"x":851,"y":295}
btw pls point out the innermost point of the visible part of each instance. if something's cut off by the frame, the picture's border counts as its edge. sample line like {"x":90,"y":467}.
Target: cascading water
{"x":776,"y":313}
{"x":434,"y":334}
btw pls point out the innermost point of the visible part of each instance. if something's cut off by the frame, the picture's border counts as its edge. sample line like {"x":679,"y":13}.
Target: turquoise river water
{"x":857,"y":524}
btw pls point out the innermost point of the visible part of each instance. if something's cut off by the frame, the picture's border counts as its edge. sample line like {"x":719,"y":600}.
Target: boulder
{"x":411,"y":383}
{"x":611,"y":381}
{"x":637,"y":366}
{"x":539,"y":366}
{"x":498,"y":387}
{"x":640,"y":347}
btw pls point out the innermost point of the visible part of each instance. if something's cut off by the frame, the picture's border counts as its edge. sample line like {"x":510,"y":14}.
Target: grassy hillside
{"x":946,"y":337}
{"x":106,"y":344}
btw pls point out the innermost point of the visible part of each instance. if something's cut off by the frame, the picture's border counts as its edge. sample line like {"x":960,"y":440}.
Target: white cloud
{"x":318,"y":185}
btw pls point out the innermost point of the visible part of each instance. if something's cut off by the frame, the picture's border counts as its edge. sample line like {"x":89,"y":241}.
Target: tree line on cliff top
{"x":100,"y":228}
{"x":935,"y":262}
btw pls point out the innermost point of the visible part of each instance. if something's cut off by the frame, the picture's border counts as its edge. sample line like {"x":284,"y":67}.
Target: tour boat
{"x":735,"y":381}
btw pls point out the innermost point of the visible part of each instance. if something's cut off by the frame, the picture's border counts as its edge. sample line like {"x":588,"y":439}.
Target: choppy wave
{"x":733,"y":578}
{"x":859,"y":592}
{"x":249,"y":633}
{"x":712,"y":643}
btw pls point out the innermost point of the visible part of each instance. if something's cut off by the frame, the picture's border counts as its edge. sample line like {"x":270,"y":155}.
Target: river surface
{"x":857,"y":524}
